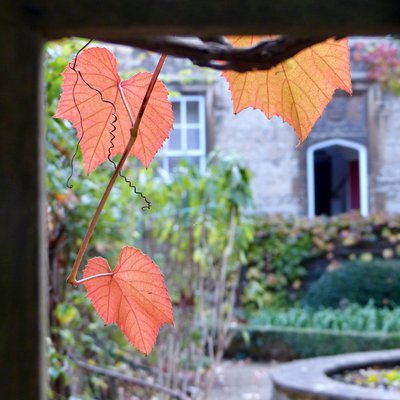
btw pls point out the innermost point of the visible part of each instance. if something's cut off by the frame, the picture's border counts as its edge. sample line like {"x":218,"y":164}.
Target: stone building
{"x":351,"y":159}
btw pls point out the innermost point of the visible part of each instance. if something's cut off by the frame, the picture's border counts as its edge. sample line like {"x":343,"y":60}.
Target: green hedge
{"x":304,"y":332}
{"x":277,"y":343}
{"x":357,"y":282}
{"x":352,"y":318}
{"x":288,"y":254}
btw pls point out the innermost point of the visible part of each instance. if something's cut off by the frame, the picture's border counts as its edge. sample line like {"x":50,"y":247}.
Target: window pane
{"x":162,"y":164}
{"x":175,"y":140}
{"x":192,"y":109}
{"x":193,"y":139}
{"x":187,"y":135}
{"x":194,"y":161}
{"x":173,"y":162}
{"x":190,"y":161}
{"x":176,"y":108}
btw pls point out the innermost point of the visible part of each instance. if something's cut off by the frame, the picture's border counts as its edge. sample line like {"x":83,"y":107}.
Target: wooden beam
{"x":120,"y":20}
{"x":23,"y":280}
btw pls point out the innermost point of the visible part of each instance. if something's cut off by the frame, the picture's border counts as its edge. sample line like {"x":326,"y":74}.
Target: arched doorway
{"x":337,"y":178}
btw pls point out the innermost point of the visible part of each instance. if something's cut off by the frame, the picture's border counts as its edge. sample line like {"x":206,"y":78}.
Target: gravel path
{"x":241,"y":380}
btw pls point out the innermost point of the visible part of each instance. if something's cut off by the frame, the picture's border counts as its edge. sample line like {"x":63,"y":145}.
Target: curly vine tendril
{"x":113,"y":129}
{"x":79,"y":112}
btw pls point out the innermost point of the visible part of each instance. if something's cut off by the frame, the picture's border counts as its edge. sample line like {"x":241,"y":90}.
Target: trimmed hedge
{"x":291,"y":333}
{"x":352,"y":318}
{"x":277,"y":343}
{"x":357,"y":282}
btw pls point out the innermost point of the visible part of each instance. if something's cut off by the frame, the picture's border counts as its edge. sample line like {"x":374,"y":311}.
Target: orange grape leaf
{"x":297,"y":89}
{"x":92,"y":100}
{"x":134,"y":296}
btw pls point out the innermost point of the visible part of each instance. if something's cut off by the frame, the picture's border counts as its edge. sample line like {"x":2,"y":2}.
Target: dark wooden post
{"x":23,"y":281}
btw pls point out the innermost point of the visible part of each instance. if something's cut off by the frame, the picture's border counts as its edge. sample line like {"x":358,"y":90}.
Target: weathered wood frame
{"x":24,"y":25}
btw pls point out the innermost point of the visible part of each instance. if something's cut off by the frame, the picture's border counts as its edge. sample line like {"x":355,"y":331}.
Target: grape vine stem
{"x":134,"y":132}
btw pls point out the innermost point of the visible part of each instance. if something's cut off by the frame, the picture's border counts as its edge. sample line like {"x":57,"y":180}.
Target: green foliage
{"x":195,"y":230}
{"x":303,"y":332}
{"x":79,"y":332}
{"x":70,"y":209}
{"x":357,"y":282}
{"x":352,"y":318}
{"x":188,"y":231}
{"x":291,"y":343}
{"x":75,"y":327}
{"x":201,"y":206}
{"x":276,"y":263}
{"x":199,"y":237}
{"x":289,"y":253}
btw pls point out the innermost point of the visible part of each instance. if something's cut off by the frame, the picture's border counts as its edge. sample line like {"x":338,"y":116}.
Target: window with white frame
{"x":187,"y":140}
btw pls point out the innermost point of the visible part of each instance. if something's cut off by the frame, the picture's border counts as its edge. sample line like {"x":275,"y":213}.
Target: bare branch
{"x":134,"y":381}
{"x":217,"y":53}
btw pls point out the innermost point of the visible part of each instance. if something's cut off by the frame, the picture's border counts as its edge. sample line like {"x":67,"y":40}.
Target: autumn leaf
{"x":134,"y":296}
{"x":92,"y":99}
{"x":298,"y":89}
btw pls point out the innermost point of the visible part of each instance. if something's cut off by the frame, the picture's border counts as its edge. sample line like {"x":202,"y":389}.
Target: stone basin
{"x":309,"y":379}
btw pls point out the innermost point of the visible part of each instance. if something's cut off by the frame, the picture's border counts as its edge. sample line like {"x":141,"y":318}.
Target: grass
{"x":352,"y":318}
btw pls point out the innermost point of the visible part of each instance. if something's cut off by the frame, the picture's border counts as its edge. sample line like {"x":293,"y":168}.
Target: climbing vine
{"x":133,"y":118}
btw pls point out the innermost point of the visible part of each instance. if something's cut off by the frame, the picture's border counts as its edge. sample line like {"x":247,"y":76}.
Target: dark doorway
{"x":337,"y":180}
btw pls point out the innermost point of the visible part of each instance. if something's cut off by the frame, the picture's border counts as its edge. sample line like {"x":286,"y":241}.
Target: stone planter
{"x":309,"y":379}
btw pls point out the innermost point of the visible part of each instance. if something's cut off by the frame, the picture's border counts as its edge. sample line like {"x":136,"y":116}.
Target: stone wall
{"x":267,"y":147}
{"x":385,"y":171}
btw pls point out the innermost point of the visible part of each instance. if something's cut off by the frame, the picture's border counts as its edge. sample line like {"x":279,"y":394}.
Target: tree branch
{"x":219,"y":54}
{"x":134,"y":381}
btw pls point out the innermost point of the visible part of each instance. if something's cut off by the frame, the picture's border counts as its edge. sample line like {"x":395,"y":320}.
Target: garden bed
{"x":377,"y":377}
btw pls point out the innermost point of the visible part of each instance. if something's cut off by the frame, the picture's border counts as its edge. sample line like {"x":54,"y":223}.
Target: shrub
{"x":304,"y":332}
{"x":352,"y":318}
{"x":195,"y":231}
{"x":289,"y":254}
{"x":292,"y":343}
{"x":276,"y":266}
{"x":357,"y":282}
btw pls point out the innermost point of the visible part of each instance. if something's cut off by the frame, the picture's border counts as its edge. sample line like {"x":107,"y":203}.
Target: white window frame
{"x":183,"y":125}
{"x":363,"y":172}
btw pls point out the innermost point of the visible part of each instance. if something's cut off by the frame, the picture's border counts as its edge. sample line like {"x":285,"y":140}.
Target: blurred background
{"x":270,"y":252}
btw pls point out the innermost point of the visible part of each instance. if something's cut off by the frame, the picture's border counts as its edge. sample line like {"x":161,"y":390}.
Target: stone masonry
{"x":269,"y":148}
